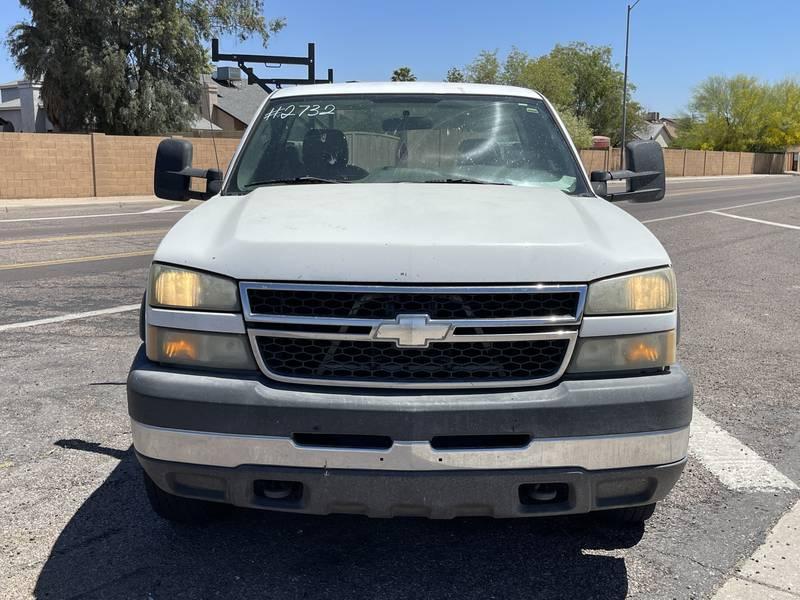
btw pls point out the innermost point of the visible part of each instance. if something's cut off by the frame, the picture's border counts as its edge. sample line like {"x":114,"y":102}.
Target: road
{"x":76,"y":524}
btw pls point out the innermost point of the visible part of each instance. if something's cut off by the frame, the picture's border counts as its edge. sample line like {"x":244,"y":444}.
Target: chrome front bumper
{"x":584,"y":452}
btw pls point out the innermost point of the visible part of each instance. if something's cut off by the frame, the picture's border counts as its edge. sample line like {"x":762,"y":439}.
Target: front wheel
{"x":188,"y":511}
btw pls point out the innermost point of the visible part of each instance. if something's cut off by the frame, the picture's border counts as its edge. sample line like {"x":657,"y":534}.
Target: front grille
{"x":442,"y":362}
{"x":387,"y":305}
{"x":376,"y":335}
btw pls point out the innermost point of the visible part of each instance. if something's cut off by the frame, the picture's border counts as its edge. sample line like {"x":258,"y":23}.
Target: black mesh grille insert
{"x":440,"y":305}
{"x":385,"y":362}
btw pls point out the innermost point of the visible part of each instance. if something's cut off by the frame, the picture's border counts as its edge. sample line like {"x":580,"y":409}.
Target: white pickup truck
{"x":409,"y":299}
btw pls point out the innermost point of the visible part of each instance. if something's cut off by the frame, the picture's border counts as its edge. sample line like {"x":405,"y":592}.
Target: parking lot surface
{"x":76,"y":524}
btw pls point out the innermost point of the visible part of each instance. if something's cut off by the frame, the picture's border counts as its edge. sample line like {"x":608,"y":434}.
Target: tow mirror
{"x":646,"y":177}
{"x":174,"y":172}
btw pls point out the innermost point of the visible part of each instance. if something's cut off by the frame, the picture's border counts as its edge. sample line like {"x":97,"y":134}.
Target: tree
{"x":126,"y":66}
{"x":578,"y":129}
{"x":597,"y":88}
{"x":403,"y":74}
{"x":485,"y":68}
{"x":545,"y":75}
{"x":742,"y":114}
{"x":580,"y":80}
{"x":455,"y":75}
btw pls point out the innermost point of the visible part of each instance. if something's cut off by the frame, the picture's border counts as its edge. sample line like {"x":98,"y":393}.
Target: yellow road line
{"x":86,"y":236}
{"x":79,"y":259}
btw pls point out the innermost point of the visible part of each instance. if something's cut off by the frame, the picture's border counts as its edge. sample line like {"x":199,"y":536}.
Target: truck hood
{"x":411,"y":233}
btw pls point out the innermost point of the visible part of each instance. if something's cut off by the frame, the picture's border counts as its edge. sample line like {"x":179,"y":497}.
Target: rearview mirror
{"x":173,"y":173}
{"x":407,"y":124}
{"x":645,"y":175}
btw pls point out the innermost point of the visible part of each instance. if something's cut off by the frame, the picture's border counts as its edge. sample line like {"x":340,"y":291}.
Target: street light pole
{"x":625,"y":89}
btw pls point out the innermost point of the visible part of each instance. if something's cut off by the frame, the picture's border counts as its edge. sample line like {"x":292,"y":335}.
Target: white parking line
{"x":64,"y":217}
{"x":705,"y":212}
{"x":773,"y":223}
{"x":735,"y":465}
{"x":773,"y":571}
{"x":70,"y":317}
{"x":161,"y":209}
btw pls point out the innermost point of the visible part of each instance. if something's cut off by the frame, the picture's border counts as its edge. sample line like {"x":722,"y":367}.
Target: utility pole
{"x":625,"y":89}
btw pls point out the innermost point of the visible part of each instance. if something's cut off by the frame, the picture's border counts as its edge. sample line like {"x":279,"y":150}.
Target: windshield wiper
{"x":465,"y":180}
{"x":293,"y":181}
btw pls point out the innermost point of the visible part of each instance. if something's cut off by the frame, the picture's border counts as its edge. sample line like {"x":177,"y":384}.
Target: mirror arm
{"x":201,"y":174}
{"x":627,"y":195}
{"x":191,"y":172}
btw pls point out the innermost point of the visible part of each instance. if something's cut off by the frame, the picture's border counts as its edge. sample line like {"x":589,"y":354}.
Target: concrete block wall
{"x":123,"y":165}
{"x":673,"y":163}
{"x":746,"y":162}
{"x":79,"y":166}
{"x":730,"y":163}
{"x":73,"y":166}
{"x":45,"y":166}
{"x":713,"y":164}
{"x":694,"y":163}
{"x":595,"y":160}
{"x":698,"y":163}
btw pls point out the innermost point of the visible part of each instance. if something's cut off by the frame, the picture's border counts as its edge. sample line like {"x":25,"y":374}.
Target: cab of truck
{"x":409,"y":299}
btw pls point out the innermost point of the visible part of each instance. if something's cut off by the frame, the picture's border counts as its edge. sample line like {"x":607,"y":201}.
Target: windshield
{"x":406,"y":139}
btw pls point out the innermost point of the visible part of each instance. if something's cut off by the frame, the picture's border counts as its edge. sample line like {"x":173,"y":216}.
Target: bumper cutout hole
{"x":334,"y":440}
{"x":480,"y":442}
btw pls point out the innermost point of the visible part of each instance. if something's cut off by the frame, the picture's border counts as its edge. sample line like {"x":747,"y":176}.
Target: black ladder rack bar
{"x":264,"y":82}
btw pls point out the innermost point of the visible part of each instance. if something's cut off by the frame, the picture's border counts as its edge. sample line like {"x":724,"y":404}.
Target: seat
{"x":325,"y":153}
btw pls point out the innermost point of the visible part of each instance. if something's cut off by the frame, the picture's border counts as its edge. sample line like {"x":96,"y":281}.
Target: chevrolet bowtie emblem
{"x":412,"y":331}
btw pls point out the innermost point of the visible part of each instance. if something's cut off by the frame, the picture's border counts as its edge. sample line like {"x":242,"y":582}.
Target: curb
{"x":58,"y":202}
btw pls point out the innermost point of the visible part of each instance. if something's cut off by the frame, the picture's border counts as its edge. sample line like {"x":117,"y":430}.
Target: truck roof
{"x":406,"y":87}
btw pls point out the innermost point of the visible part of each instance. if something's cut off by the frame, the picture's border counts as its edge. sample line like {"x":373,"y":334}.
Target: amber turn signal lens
{"x":624,"y":353}
{"x":199,"y":349}
{"x":179,"y":349}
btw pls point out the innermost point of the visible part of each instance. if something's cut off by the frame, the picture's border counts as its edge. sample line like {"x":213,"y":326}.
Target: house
{"x":228,"y":102}
{"x":663,"y":130}
{"x":21,"y":108}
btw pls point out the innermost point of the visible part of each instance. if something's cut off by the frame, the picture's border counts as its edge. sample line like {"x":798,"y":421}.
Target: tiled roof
{"x":241,"y":101}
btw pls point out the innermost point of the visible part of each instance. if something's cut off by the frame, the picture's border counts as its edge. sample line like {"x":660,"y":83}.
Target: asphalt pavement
{"x":75,"y":523}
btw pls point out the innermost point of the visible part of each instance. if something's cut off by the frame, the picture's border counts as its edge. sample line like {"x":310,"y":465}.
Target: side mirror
{"x":646,"y":176}
{"x":173,"y":173}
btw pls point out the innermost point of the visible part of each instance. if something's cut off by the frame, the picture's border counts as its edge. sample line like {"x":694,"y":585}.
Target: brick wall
{"x":123,"y":165}
{"x":75,"y":166}
{"x":685,"y":163}
{"x":70,"y":166}
{"x":730,"y":163}
{"x":45,"y":166}
{"x":673,"y":163}
{"x":713,"y":164}
{"x":595,"y":160}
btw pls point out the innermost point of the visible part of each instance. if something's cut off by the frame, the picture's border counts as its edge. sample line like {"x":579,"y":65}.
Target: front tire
{"x":188,"y":511}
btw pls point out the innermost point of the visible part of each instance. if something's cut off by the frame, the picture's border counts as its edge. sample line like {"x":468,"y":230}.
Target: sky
{"x":675,"y":44}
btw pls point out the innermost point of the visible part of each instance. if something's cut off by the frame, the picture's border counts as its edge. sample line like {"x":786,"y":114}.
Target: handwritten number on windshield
{"x":289,"y":110}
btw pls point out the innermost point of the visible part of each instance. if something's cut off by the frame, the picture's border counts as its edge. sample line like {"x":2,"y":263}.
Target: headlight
{"x":173,"y":287}
{"x":199,"y":349}
{"x":624,"y":353}
{"x":651,"y":291}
